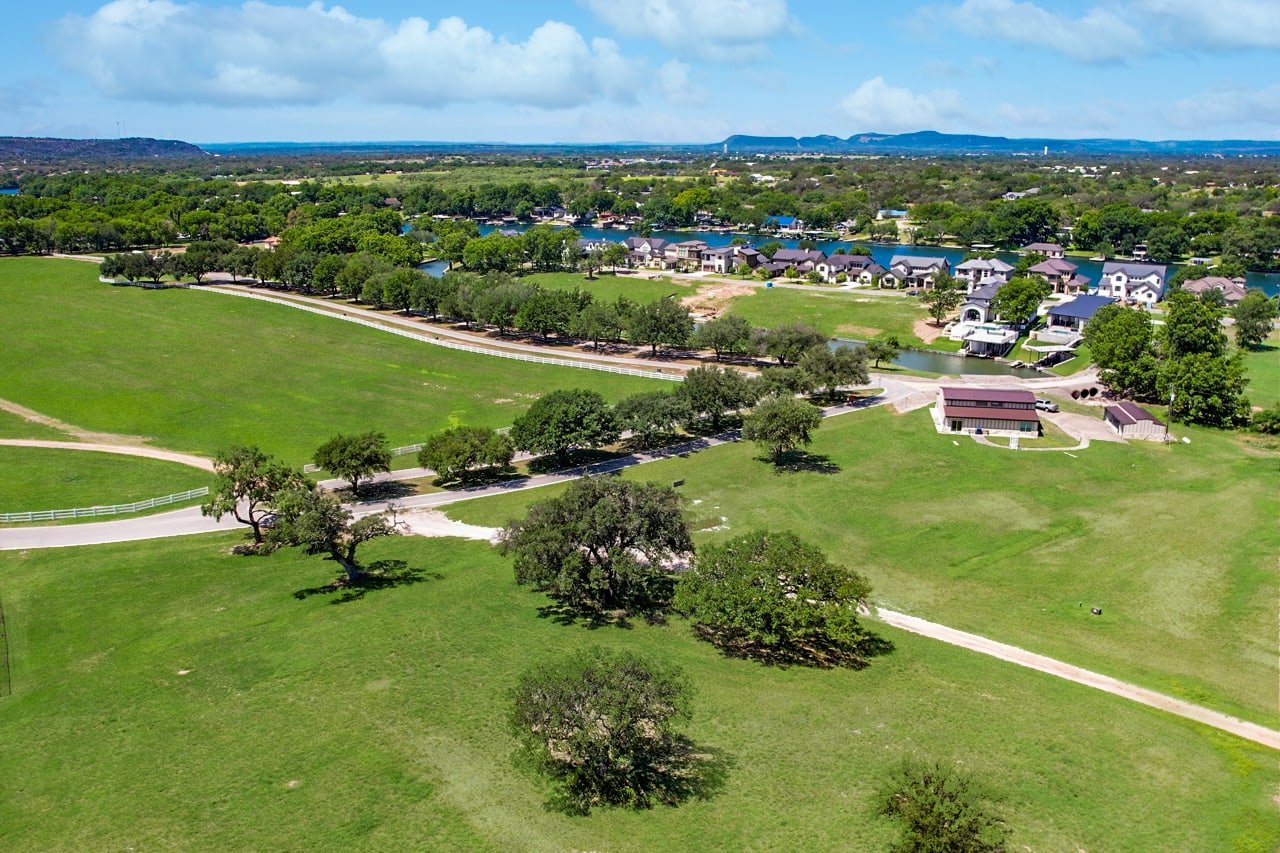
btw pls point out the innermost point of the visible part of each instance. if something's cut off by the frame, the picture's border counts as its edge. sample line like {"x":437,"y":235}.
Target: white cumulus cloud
{"x":726,"y":30}
{"x":264,"y":54}
{"x":1099,"y":35}
{"x":1228,"y":106}
{"x":878,"y":106}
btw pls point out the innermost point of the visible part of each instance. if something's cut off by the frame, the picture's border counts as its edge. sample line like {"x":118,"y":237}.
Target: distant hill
{"x":933,"y":142}
{"x":32,"y":149}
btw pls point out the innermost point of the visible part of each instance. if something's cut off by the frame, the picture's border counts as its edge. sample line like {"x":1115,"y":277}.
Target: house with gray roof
{"x":978,"y":272}
{"x":976,"y":308}
{"x":1137,"y":283}
{"x":804,"y":260}
{"x":833,"y":266}
{"x":917,"y":270}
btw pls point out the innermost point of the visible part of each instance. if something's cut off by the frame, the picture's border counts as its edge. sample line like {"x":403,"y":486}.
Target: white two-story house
{"x":1140,"y":283}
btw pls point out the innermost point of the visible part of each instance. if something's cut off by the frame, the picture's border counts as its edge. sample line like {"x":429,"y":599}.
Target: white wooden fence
{"x":657,"y":373}
{"x":94,"y":511}
{"x":311,"y":467}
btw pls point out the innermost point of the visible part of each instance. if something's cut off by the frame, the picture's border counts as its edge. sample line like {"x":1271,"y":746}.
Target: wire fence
{"x":656,"y":373}
{"x":94,"y":511}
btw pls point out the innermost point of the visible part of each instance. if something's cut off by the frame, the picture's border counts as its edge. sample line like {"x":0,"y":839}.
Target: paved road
{"x":1224,"y":722}
{"x":122,"y":449}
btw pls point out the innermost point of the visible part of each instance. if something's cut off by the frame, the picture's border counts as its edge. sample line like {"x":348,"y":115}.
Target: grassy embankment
{"x":1177,"y":544}
{"x":199,"y":371}
{"x":212,"y":708}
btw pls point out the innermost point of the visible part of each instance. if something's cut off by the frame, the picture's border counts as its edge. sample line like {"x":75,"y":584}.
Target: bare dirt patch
{"x":712,"y":298}
{"x":926,"y":331}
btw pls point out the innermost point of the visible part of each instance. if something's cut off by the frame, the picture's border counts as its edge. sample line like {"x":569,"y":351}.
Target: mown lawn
{"x":1264,"y":372}
{"x":38,"y":478}
{"x":201,"y":371}
{"x":1177,"y":544}
{"x":607,"y":287}
{"x":16,"y":426}
{"x":170,"y":695}
{"x":851,"y":315}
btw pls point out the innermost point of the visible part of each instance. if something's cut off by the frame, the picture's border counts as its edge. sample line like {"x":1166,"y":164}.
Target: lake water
{"x":8,"y":191}
{"x":1268,"y":283}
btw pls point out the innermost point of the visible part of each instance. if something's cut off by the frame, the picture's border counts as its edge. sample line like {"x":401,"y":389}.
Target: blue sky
{"x":656,"y":70}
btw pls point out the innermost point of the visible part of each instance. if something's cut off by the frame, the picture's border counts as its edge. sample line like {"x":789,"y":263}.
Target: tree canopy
{"x":318,"y":523}
{"x":602,"y":726}
{"x":770,"y":595}
{"x":247,"y":483}
{"x":601,"y":546}
{"x":354,"y":457}
{"x":457,"y":451}
{"x":564,"y":420}
{"x":941,"y":810}
{"x":781,"y":423}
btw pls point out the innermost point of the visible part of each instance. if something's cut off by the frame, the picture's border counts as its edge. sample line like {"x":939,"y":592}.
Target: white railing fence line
{"x":94,"y":511}
{"x":454,"y":345}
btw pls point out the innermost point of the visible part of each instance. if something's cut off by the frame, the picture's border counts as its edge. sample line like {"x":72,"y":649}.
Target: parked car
{"x":1046,"y":405}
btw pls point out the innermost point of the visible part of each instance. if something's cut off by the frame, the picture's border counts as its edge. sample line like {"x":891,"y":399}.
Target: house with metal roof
{"x":993,"y":411}
{"x":1132,"y":421}
{"x":1075,"y":313}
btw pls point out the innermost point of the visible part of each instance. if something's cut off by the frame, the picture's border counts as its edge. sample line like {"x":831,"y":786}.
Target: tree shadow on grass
{"x":800,"y":460}
{"x":383,"y":574}
{"x":819,"y":655}
{"x":386,"y":490}
{"x":686,"y":772}
{"x":572,"y":459}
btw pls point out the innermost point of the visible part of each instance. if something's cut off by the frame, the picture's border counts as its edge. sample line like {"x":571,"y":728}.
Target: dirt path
{"x":121,"y":449}
{"x":71,"y":429}
{"x":1012,"y":654}
{"x":433,"y":522}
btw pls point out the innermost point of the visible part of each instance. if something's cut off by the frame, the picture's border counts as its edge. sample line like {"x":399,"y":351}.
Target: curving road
{"x":120,"y":449}
{"x":188,"y":521}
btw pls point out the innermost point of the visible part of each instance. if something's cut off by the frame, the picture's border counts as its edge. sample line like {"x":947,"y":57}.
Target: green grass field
{"x":199,"y":371}
{"x":379,"y":723}
{"x":607,"y":287}
{"x":16,"y":426}
{"x":1264,"y":373}
{"x":852,"y":315}
{"x":37,"y":478}
{"x":1177,"y":544}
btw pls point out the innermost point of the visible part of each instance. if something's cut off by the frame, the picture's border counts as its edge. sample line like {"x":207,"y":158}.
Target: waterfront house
{"x":726,"y":259}
{"x":871,"y":275}
{"x":803,"y":260}
{"x":686,"y":253}
{"x":980,"y":272}
{"x":1140,"y":283}
{"x":1049,"y":250}
{"x":916,"y":270}
{"x":976,"y":307}
{"x":1057,"y":272}
{"x":1075,"y":313}
{"x":994,"y":411}
{"x":1232,"y":289}
{"x":783,"y":223}
{"x":1132,"y":421}
{"x":833,"y":266}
